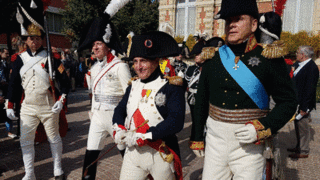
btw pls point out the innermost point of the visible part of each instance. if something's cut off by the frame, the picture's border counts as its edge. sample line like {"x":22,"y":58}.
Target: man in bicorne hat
{"x":233,"y":97}
{"x":107,"y":79}
{"x":151,"y":112}
{"x":30,"y":76}
{"x":179,"y":66}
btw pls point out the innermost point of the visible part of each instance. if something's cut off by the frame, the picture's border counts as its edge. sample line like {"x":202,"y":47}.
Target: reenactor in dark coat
{"x":233,"y":97}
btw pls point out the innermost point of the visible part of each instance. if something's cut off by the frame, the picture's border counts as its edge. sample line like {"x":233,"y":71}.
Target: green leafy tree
{"x":137,"y":16}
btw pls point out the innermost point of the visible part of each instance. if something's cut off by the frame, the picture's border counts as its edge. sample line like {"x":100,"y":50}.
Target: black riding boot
{"x":91,"y":155}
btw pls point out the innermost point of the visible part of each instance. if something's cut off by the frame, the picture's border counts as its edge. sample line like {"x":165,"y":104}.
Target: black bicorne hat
{"x":215,"y":42}
{"x":231,"y":8}
{"x":270,"y":23}
{"x":102,"y":29}
{"x":197,"y":48}
{"x":153,"y":45}
{"x":30,"y":17}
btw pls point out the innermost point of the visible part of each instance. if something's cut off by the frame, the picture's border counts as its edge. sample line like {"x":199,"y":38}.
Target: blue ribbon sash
{"x":245,"y":78}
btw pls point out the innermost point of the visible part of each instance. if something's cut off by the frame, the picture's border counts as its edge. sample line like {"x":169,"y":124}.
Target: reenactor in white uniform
{"x":151,"y":112}
{"x":107,"y":79}
{"x":30,"y":76}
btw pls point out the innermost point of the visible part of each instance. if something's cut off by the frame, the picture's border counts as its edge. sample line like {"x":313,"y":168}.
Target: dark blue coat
{"x":173,"y":113}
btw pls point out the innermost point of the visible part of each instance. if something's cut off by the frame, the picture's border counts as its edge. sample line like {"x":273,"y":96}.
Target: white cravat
{"x":301,"y":64}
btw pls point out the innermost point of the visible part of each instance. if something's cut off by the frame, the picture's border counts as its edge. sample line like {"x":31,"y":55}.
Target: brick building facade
{"x":191,"y":16}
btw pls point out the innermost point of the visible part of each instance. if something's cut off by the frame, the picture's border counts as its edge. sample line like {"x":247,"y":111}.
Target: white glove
{"x":120,"y":134}
{"x":198,"y":153}
{"x":246,"y":134}
{"x":132,"y":137}
{"x":10,"y":114}
{"x":57,"y":107}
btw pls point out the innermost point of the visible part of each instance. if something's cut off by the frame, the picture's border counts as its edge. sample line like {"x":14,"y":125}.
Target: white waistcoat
{"x":35,"y":81}
{"x":108,"y":91}
{"x":146,"y":105}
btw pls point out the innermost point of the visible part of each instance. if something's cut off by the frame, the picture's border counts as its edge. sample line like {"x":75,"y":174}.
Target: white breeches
{"x":31,"y":116}
{"x":100,"y":126}
{"x":138,"y":162}
{"x":226,"y":158}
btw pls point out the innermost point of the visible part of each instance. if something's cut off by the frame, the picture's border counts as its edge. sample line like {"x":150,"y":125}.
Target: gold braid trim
{"x":132,"y":79}
{"x":175,"y":80}
{"x":208,"y":53}
{"x":275,"y":50}
{"x":196,"y":145}
{"x":257,"y":125}
{"x":264,"y":134}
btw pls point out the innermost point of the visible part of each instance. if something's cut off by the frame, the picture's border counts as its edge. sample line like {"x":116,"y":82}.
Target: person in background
{"x":179,"y":66}
{"x":305,"y":77}
{"x":4,"y":75}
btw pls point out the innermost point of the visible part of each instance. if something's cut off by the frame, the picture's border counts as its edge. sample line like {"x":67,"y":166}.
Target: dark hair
{"x":2,"y":50}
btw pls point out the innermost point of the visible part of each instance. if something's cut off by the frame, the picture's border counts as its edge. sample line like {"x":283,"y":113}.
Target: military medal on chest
{"x":236,"y":60}
{"x":145,"y":95}
{"x":254,"y":61}
{"x":160,"y":99}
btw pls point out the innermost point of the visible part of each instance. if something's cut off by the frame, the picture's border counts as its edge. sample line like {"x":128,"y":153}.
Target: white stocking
{"x":56,"y":150}
{"x":28,"y":160}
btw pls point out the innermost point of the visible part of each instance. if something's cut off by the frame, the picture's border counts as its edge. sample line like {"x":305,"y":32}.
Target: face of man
{"x":239,"y":28}
{"x":144,"y":67}
{"x":300,"y":56}
{"x":34,"y":43}
{"x":100,"y":49}
{"x":5,"y":54}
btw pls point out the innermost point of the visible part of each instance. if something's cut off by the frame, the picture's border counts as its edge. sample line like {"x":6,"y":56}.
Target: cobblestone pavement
{"x":74,"y":145}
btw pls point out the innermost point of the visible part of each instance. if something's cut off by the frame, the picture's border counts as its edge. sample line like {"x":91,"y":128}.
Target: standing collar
{"x":156,"y":73}
{"x":244,"y":47}
{"x":39,"y":50}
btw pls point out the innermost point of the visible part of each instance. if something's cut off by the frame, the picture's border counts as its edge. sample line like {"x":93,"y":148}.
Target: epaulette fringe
{"x":175,"y":80}
{"x":132,"y":79}
{"x":275,"y":50}
{"x":208,"y":53}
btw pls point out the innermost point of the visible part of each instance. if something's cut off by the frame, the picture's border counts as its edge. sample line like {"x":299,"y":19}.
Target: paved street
{"x":74,"y":145}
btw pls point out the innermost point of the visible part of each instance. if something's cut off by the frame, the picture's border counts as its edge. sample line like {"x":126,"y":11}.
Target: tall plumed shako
{"x":153,"y":45}
{"x":231,"y":8}
{"x":30,"y":17}
{"x":102,"y":29}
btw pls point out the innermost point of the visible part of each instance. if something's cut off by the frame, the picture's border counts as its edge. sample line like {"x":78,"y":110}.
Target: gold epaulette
{"x":275,"y":50}
{"x":175,"y":80}
{"x":208,"y":52}
{"x":132,"y":79}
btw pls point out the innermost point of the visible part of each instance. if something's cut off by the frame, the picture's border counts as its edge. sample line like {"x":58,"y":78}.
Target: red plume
{"x":46,"y":3}
{"x":279,"y":6}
